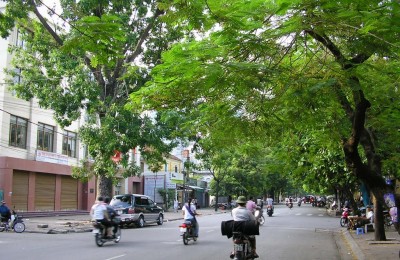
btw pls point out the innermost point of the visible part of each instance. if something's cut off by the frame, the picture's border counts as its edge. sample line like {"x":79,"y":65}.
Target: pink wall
{"x":8,"y":165}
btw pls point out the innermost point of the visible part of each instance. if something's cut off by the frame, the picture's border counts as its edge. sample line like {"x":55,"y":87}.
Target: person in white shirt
{"x":189,"y":213}
{"x":99,"y":212}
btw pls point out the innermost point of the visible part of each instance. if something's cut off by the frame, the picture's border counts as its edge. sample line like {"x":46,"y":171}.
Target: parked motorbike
{"x":259,"y":216}
{"x":187,"y":230}
{"x":100,"y":233}
{"x":344,"y":220}
{"x":320,"y":203}
{"x":270,"y":210}
{"x":334,"y":206}
{"x":387,"y":219}
{"x":16,"y":223}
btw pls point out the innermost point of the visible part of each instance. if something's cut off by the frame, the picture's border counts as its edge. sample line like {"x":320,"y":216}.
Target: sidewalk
{"x":364,"y":246}
{"x":82,"y":223}
{"x":360,"y":247}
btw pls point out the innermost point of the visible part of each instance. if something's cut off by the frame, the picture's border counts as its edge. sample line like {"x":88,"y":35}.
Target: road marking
{"x":115,"y":257}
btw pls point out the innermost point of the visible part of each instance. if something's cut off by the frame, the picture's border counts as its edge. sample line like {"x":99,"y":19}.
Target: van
{"x":137,"y":209}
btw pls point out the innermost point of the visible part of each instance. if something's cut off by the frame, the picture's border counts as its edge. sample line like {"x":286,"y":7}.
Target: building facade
{"x":36,"y":155}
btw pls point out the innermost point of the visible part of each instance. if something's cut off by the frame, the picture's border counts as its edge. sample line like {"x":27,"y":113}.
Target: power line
{"x":77,"y":136}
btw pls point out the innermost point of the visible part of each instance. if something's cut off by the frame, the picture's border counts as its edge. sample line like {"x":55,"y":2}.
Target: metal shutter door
{"x":45,"y":191}
{"x":69,"y":193}
{"x":20,"y":190}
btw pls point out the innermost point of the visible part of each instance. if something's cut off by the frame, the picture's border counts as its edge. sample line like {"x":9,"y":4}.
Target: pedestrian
{"x":176,"y":204}
{"x":393,"y":216}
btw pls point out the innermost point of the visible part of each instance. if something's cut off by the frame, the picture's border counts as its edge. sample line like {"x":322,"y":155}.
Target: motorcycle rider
{"x":112,"y":214}
{"x":242,"y":213}
{"x":5,"y":213}
{"x":251,"y":205}
{"x":290,"y":202}
{"x":189,"y":214}
{"x":99,"y":212}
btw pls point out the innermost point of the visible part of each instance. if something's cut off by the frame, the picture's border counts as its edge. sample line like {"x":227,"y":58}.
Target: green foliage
{"x":277,"y":75}
{"x":168,"y":196}
{"x":100,"y":53}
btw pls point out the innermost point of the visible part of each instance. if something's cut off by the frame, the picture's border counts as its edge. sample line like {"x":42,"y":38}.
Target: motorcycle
{"x":187,"y":230}
{"x":259,"y":216}
{"x":387,"y":219}
{"x":241,"y":247}
{"x":100,"y":233}
{"x":270,"y":210}
{"x":344,"y":220}
{"x":334,"y":206}
{"x":16,"y":223}
{"x":299,"y":203}
{"x":290,"y":205}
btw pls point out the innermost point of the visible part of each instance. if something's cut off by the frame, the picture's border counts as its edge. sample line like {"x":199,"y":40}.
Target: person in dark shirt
{"x":112,"y":214}
{"x":5,"y":212}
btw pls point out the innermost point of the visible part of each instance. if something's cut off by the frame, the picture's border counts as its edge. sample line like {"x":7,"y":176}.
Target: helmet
{"x":241,"y":199}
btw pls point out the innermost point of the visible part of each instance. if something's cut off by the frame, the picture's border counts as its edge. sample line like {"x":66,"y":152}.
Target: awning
{"x":188,"y":187}
{"x":196,"y":187}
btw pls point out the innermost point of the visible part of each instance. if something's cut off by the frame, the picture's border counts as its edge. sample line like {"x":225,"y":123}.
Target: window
{"x":17,"y":76}
{"x":144,"y":202}
{"x":18,"y":130}
{"x":86,"y":154}
{"x":20,"y":42}
{"x":69,"y":144}
{"x":45,"y":137}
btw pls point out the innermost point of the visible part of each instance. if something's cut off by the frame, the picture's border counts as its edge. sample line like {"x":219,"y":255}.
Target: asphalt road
{"x":299,"y":233}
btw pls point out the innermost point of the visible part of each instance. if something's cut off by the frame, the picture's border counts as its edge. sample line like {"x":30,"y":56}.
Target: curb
{"x":355,"y":249}
{"x":68,"y":228}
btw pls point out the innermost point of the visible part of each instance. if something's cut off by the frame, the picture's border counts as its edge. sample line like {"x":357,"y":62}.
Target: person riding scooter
{"x":112,"y":214}
{"x":5,"y":212}
{"x":189,"y":213}
{"x":241,"y":213}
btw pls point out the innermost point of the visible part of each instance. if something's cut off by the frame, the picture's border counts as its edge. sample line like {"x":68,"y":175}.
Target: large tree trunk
{"x":216,"y":194}
{"x":105,"y":186}
{"x":369,"y":173}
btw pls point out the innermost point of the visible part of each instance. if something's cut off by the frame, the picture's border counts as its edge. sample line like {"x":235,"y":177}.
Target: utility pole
{"x":187,"y":155}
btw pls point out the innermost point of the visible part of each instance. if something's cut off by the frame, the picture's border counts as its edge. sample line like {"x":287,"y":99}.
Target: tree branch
{"x":143,"y":37}
{"x":45,"y":24}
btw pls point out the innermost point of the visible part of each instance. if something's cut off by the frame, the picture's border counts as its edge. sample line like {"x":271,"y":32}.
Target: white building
{"x":36,"y":154}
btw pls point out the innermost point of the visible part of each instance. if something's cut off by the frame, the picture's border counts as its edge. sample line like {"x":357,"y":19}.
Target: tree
{"x":265,"y":67}
{"x":100,"y":53}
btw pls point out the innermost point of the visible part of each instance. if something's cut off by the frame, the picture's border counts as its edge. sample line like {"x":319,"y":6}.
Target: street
{"x":299,"y":233}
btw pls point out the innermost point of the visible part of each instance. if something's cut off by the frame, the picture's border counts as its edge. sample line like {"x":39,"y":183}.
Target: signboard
{"x":152,"y":183}
{"x":43,"y":156}
{"x":168,"y":182}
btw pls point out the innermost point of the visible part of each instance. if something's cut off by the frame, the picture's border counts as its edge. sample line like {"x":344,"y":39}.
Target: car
{"x":137,"y":209}
{"x":308,"y":199}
